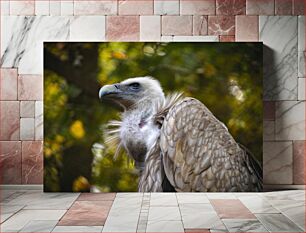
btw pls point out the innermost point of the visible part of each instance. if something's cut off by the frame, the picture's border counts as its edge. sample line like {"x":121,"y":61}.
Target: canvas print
{"x":152,"y":117}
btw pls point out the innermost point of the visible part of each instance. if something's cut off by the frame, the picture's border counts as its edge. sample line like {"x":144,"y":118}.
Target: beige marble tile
{"x":198,"y":198}
{"x":277,"y":160}
{"x":177,"y":25}
{"x":260,"y":7}
{"x":9,"y":120}
{"x":22,"y":218}
{"x":290,"y":120}
{"x":269,"y":130}
{"x":246,"y":28}
{"x":238,"y":225}
{"x":257,"y":205}
{"x":27,"y":130}
{"x":39,"y":226}
{"x":39,"y":117}
{"x":301,"y":88}
{"x":95,"y":7}
{"x":165,"y":226}
{"x":279,"y":35}
{"x":191,"y":7}
{"x":135,"y":7}
{"x":163,"y":199}
{"x":278,"y":223}
{"x":8,"y":210}
{"x":8,"y":87}
{"x":200,"y":25}
{"x":30,"y":87}
{"x":22,"y":7}
{"x":164,"y":213}
{"x":301,"y":47}
{"x":75,"y":229}
{"x":27,"y":109}
{"x":150,"y":28}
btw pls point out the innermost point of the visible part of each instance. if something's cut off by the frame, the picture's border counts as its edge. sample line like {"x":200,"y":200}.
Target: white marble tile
{"x":277,"y":160}
{"x":6,"y":194}
{"x":301,"y":46}
{"x":166,"y":38}
{"x":8,"y":210}
{"x":196,"y":38}
{"x":5,"y":7}
{"x":192,"y":198}
{"x":42,"y":7}
{"x":257,"y":205}
{"x":39,"y":226}
{"x":127,"y":201}
{"x":150,"y":28}
{"x":39,"y":117}
{"x":205,"y":217}
{"x":285,"y":205}
{"x":27,"y":108}
{"x":23,"y":37}
{"x":122,"y":219}
{"x":290,"y":120}
{"x":129,"y":195}
{"x":20,"y":219}
{"x":293,"y":195}
{"x":294,"y":210}
{"x":124,"y":213}
{"x":207,"y":220}
{"x":189,"y":209}
{"x":8,"y":198}
{"x":239,"y":225}
{"x":277,"y":223}
{"x":55,"y":7}
{"x":39,"y":200}
{"x":166,"y":7}
{"x":163,"y":199}
{"x":78,"y":229}
{"x":87,"y":28}
{"x":301,"y":88}
{"x":66,"y":7}
{"x":27,"y":129}
{"x":166,"y":213}
{"x":279,"y":35}
{"x":268,"y":130}
{"x":165,"y":226}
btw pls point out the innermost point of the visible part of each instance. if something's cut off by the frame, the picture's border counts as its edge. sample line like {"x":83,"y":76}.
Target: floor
{"x":34,"y":211}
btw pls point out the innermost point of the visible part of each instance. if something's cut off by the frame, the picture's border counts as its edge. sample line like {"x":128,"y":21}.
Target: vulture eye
{"x":134,"y":86}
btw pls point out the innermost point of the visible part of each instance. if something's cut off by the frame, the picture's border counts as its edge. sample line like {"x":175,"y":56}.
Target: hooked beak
{"x":109,"y":91}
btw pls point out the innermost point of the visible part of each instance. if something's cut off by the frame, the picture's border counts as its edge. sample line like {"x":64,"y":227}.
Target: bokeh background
{"x":226,"y":77}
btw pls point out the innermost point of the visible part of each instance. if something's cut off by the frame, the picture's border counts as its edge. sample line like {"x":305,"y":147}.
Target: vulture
{"x":176,"y":142}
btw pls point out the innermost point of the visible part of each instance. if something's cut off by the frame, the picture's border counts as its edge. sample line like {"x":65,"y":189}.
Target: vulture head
{"x":136,"y":133}
{"x":132,"y":92}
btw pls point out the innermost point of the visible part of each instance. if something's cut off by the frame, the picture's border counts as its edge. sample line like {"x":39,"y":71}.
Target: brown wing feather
{"x":151,"y":178}
{"x":199,"y":154}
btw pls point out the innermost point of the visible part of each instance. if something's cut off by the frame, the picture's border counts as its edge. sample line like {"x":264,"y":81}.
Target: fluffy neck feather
{"x":153,"y":111}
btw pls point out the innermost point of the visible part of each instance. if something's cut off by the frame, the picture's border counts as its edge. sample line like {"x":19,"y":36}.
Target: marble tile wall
{"x":25,"y":24}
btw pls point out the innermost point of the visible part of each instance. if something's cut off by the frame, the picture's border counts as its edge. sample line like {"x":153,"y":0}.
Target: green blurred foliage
{"x":226,"y":77}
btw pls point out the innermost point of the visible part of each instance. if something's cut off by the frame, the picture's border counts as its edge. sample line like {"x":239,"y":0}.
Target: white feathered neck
{"x":160,"y":109}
